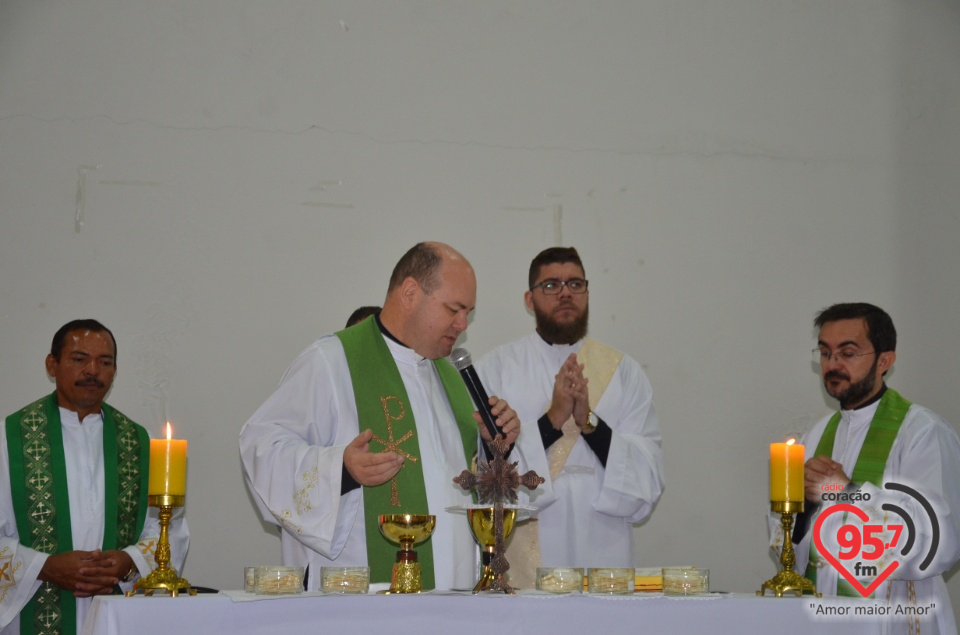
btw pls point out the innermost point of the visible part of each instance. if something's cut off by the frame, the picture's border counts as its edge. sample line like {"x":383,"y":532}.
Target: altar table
{"x":464,"y":614}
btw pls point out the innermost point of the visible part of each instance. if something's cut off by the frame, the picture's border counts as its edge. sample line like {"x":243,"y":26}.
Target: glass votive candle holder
{"x":686,"y":581}
{"x":250,"y":579}
{"x":345,"y":579}
{"x":648,"y":579}
{"x":610,"y":581}
{"x":278,"y":580}
{"x":560,"y":579}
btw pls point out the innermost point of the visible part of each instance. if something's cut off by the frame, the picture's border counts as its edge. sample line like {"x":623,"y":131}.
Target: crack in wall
{"x":661,"y":150}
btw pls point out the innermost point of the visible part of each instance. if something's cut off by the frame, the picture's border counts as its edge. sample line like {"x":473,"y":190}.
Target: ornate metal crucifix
{"x":496,"y":483}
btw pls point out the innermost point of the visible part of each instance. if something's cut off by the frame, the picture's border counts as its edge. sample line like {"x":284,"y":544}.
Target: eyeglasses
{"x":552,"y":286}
{"x":845,"y":355}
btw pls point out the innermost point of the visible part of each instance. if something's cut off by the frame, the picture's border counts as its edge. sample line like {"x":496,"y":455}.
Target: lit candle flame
{"x":789,"y":442}
{"x":169,"y":431}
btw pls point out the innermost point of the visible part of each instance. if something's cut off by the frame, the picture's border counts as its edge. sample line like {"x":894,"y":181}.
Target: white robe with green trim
{"x":925,"y":456}
{"x":292,"y":452}
{"x":20,"y":565}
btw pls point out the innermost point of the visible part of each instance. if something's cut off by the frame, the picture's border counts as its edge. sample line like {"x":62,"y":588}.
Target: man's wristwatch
{"x":131,"y":574}
{"x":591,"y":424}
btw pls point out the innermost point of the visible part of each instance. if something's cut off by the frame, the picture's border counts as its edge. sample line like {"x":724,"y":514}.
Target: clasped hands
{"x":570,"y":396}
{"x":86,"y":573}
{"x":373,"y":468}
{"x":820,"y":471}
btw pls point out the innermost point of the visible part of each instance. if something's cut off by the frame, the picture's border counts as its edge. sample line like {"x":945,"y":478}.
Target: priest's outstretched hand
{"x":370,"y":468}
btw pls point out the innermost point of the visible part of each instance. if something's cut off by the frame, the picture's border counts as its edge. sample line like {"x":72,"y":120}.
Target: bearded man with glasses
{"x":878,"y":438}
{"x":598,"y":439}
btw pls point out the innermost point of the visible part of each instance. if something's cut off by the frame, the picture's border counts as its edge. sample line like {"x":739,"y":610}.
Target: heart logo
{"x":862,"y":515}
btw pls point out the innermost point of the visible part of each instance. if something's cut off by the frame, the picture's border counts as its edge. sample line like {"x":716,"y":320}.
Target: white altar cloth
{"x":465,"y":614}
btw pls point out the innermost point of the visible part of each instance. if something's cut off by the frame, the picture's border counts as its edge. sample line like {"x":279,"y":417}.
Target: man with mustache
{"x":74,"y":520}
{"x":599,"y":438}
{"x":373,"y":420}
{"x":877,"y":437}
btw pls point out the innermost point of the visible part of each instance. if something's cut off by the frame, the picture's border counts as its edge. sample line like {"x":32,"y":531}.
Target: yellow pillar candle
{"x":786,"y":471}
{"x":168,"y":466}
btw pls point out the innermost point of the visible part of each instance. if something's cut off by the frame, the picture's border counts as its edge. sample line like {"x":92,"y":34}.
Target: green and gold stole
{"x":870,"y":465}
{"x":384,"y":408}
{"x":38,"y":484}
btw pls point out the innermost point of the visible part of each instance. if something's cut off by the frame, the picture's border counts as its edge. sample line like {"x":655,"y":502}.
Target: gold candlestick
{"x":163,"y":577}
{"x":788,"y":579}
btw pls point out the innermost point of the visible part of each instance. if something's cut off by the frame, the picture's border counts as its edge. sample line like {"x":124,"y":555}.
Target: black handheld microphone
{"x":460,"y":358}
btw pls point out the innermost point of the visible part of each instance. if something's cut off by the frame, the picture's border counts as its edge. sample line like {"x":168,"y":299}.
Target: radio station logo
{"x":860,"y":550}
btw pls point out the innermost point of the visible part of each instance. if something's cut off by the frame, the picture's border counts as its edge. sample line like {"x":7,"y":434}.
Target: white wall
{"x":246,"y":173}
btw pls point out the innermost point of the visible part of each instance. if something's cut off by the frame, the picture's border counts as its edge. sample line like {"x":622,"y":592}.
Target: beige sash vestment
{"x":523,"y":550}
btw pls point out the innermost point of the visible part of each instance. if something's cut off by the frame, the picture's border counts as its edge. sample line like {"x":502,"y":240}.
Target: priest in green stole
{"x":374,"y":420}
{"x":877,"y":438}
{"x":74,"y":519}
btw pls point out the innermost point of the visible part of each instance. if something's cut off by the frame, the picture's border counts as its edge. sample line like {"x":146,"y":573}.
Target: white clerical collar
{"x":398,"y":349}
{"x":557,"y":353}
{"x":863,"y":415}
{"x":70,"y":418}
{"x":402,"y":353}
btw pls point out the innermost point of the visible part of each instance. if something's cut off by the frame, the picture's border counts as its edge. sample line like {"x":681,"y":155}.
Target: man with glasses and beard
{"x":598,"y":440}
{"x":878,"y":438}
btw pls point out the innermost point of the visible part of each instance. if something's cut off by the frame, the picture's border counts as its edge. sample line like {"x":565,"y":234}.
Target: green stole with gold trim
{"x":383,"y":406}
{"x":38,"y":484}
{"x":871,"y":462}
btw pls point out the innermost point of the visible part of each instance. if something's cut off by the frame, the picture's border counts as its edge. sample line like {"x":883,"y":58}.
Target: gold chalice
{"x":483,"y":525}
{"x":406,"y":530}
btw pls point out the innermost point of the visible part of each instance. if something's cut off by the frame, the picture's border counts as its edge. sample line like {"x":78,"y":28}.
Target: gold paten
{"x":788,"y":579}
{"x":164,"y":577}
{"x":406,"y":530}
{"x":484,"y":527}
